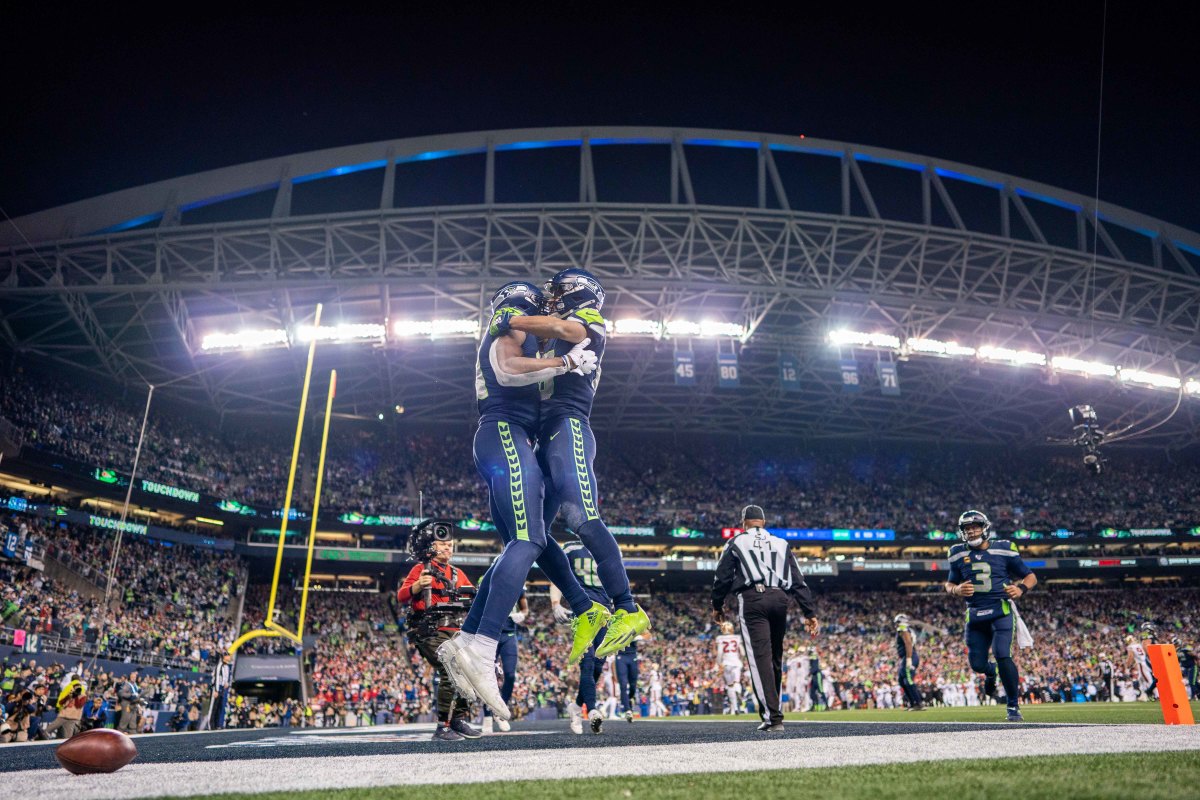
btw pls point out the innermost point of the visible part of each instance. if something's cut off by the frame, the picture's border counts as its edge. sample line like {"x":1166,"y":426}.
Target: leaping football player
{"x":567,"y":448}
{"x":982,"y":570}
{"x":507,"y":372}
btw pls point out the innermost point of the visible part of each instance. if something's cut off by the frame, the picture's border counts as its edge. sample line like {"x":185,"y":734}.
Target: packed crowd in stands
{"x":170,"y":605}
{"x":53,"y":700}
{"x":643,"y":480}
{"x":362,"y":670}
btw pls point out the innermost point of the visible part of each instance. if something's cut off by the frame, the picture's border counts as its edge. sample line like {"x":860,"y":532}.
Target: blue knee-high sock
{"x":508,"y":576}
{"x":1008,"y":676}
{"x":596,"y":538}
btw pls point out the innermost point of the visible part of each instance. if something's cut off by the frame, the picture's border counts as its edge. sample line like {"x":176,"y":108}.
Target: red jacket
{"x":441,"y":579}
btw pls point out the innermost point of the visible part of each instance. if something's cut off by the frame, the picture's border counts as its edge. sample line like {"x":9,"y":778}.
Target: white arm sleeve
{"x":525,"y":378}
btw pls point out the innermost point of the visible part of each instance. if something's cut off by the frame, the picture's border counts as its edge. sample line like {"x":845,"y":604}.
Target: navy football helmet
{"x":970,"y":519}
{"x":521,"y":295}
{"x":573,"y":288}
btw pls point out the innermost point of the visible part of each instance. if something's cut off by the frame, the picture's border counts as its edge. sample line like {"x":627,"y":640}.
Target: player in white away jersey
{"x":1141,"y":665}
{"x":729,"y":659}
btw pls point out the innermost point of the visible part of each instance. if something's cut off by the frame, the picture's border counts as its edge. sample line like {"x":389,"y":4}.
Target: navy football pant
{"x":566,"y":449}
{"x":590,"y":670}
{"x":627,"y":677}
{"x":995,"y":634}
{"x":906,"y":684}
{"x":504,"y":458}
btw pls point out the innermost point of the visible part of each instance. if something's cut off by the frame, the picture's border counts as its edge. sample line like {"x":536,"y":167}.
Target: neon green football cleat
{"x":623,"y":628}
{"x":585,"y":626}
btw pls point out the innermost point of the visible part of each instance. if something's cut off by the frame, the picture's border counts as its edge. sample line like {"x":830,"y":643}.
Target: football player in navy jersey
{"x":567,"y":448}
{"x":990,"y":574}
{"x":506,"y":378}
{"x":583,"y":565}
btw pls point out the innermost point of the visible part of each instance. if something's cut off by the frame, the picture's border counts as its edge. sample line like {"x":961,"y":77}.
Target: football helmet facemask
{"x":571,"y":289}
{"x":974,"y":519}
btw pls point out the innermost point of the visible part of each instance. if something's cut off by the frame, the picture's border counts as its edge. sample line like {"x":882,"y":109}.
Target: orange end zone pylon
{"x":1171,"y":694}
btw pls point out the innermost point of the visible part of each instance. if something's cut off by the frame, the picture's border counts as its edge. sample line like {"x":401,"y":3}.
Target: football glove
{"x":502,"y":320}
{"x":580,"y":360}
{"x":518,"y":617}
{"x":561,"y":613}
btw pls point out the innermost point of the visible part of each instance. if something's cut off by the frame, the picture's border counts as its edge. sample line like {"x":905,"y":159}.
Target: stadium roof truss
{"x":785,"y":236}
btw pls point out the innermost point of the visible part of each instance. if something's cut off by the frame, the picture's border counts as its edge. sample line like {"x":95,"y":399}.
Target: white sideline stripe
{"x":296,"y":774}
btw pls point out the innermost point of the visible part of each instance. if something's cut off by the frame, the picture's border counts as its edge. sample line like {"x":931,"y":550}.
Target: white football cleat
{"x":576,"y":718}
{"x":597,"y":720}
{"x":480,"y":673}
{"x":448,"y":654}
{"x":502,"y":725}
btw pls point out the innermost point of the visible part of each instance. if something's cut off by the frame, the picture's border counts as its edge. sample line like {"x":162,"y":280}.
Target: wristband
{"x":566,"y":363}
{"x":1024,"y":589}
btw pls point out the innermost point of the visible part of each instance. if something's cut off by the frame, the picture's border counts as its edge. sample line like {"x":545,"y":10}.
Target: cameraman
{"x":70,"y":710}
{"x":430,"y":626}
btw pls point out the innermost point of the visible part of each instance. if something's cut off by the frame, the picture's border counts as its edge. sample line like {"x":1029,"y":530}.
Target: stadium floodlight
{"x":436,"y":328}
{"x":935,"y":347}
{"x":1193,"y":387}
{"x":1009,"y":356}
{"x":244,"y":340}
{"x":713,"y":328}
{"x":682,"y":327}
{"x":1067,"y":364}
{"x":346,"y":332}
{"x":1150,"y":379}
{"x":881,"y":340}
{"x":638,"y":327}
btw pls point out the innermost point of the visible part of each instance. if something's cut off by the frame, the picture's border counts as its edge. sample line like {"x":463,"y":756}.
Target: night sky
{"x":99,"y":104}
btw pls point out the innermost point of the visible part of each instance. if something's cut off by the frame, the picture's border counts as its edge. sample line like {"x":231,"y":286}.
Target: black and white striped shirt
{"x":756,"y":557}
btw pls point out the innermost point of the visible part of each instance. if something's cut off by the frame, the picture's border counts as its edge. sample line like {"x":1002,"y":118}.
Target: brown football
{"x":97,"y":750}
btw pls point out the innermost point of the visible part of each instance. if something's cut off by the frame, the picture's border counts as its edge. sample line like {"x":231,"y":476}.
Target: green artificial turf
{"x":1144,"y":776}
{"x":1099,"y":713}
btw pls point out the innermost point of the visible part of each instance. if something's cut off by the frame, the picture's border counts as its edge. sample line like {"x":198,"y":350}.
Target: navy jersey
{"x":571,"y":395}
{"x":990,"y":569}
{"x":513,"y":404}
{"x":900,"y":631}
{"x":583,"y":565}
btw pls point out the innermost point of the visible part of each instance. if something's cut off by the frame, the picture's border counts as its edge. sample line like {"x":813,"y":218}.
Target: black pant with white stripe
{"x":763,"y":618}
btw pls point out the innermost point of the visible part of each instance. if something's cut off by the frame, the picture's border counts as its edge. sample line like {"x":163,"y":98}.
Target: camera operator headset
{"x":439,"y":594}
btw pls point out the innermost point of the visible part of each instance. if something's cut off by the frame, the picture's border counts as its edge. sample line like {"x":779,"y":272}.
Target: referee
{"x":760,"y":569}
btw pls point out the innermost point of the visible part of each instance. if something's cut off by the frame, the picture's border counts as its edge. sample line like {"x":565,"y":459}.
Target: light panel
{"x":1067,"y":364}
{"x":345,"y":332}
{"x":935,"y":347}
{"x":435,"y":328}
{"x":244,"y":340}
{"x":1009,"y":356}
{"x":883,"y":340}
{"x":638,"y":327}
{"x":1150,"y":379}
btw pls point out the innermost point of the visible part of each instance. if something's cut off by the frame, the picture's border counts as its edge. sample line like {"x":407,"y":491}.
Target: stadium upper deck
{"x":749,"y":245}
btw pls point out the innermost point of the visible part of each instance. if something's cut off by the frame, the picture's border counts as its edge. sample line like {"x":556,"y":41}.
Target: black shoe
{"x":764,"y":726}
{"x":989,"y":686}
{"x":919,"y":707}
{"x":775,"y":727}
{"x":1014,"y":714}
{"x":446,"y":734}
{"x":464,"y":728}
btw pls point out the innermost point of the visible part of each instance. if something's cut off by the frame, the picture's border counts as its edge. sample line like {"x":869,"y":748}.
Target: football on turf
{"x":97,"y":750}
